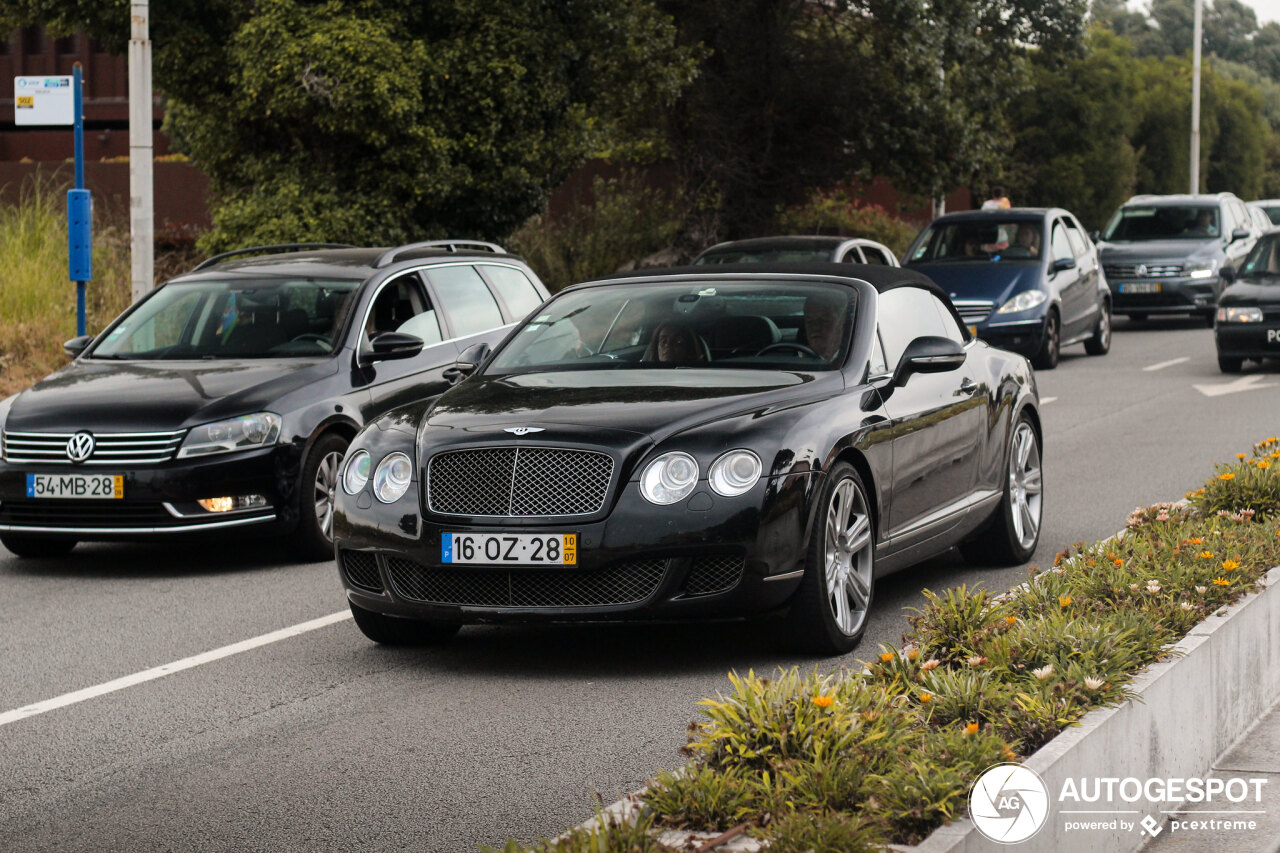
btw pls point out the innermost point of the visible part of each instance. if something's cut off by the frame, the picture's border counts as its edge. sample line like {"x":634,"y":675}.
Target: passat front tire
{"x":317,"y":488}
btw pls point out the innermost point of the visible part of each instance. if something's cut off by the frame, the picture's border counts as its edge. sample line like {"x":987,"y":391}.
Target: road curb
{"x":1188,"y":709}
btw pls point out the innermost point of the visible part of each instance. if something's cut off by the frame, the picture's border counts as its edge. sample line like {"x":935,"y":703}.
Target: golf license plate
{"x":524,"y":549}
{"x":91,"y":486}
{"x":1140,"y":287}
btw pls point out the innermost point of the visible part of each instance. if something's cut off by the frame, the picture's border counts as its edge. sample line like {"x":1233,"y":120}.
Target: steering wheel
{"x":800,"y":348}
{"x":313,"y":337}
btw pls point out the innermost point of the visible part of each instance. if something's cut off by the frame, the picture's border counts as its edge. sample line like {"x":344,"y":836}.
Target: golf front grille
{"x":518,"y":482}
{"x":361,"y":570}
{"x":630,"y":582}
{"x":715,"y":573}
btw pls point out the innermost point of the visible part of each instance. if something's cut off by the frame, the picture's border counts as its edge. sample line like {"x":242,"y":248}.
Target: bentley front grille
{"x":518,"y":482}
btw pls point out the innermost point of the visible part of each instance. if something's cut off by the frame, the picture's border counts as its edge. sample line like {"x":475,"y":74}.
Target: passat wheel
{"x":1100,"y":343}
{"x":830,"y":609}
{"x":24,"y":545}
{"x":394,"y":631}
{"x":1014,"y":531}
{"x":317,"y":488}
{"x":1051,"y":348}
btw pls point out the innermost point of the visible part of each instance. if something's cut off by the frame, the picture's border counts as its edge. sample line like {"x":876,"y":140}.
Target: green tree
{"x":379,"y":121}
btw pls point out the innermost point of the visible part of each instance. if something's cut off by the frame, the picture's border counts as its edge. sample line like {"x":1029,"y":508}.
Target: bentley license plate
{"x":94,"y":486}
{"x":525,"y":549}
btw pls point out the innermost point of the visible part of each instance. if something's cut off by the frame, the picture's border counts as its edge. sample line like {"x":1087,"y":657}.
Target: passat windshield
{"x":1163,"y":222}
{"x":767,"y":326}
{"x":241,"y":318}
{"x":982,"y":240}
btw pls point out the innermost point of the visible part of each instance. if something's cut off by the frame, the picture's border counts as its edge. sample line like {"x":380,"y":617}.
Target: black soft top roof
{"x":880,"y":277}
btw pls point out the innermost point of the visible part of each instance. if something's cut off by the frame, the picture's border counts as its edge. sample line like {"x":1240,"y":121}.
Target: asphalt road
{"x":325,"y":741}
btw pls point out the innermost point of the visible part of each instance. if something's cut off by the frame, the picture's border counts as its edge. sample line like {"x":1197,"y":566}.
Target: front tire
{"x":1051,"y":348}
{"x":1100,"y":343}
{"x":25,"y":545}
{"x":830,"y":609}
{"x":394,"y":631}
{"x":1014,"y":531}
{"x":317,"y":488}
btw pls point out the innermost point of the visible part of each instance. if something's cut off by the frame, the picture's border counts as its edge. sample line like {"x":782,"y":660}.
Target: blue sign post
{"x":79,"y":212}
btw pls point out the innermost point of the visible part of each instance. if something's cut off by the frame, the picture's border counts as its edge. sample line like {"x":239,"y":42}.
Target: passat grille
{"x":714,"y":573}
{"x":629,"y":582}
{"x":361,"y":569}
{"x":518,"y":482}
{"x":123,"y":448}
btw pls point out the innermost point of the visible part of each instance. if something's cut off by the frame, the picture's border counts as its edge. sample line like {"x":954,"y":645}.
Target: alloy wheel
{"x":847,"y":557}
{"x":1026,"y":485}
{"x":326,"y":487}
{"x":1104,"y":328}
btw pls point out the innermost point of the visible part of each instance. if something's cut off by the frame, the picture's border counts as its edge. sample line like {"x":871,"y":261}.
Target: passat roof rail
{"x":267,"y":250}
{"x":390,"y":256}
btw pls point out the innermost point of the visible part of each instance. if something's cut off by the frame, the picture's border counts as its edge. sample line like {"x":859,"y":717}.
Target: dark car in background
{"x":1248,"y":317}
{"x":224,"y":400}
{"x":1026,"y":279}
{"x":799,"y":249}
{"x":695,"y":443}
{"x":1174,"y":254}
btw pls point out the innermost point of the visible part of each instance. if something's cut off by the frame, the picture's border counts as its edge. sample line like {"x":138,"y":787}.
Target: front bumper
{"x":1248,"y":340}
{"x":706,"y":556}
{"x":1024,"y":337}
{"x":1176,"y":296}
{"x":158,"y":500}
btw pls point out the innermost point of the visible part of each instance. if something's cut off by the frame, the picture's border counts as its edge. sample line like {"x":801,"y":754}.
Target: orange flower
{"x":1009,"y":754}
{"x":913,"y":653}
{"x":971,"y":729}
{"x":823,"y":701}
{"x":926,"y":697}
{"x":1199,"y":540}
{"x":1064,"y":601}
{"x":1206,"y":555}
{"x":1227,"y":476}
{"x":1230,"y":565}
{"x":1263,"y":465}
{"x":1221,"y":582}
{"x":1239,"y":455}
{"x":886,"y":657}
{"x":1118,"y":562}
{"x":1013,"y":620}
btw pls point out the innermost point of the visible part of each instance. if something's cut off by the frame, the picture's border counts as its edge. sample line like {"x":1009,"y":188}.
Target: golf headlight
{"x":1201,"y":270}
{"x":391,"y":480}
{"x":1024,"y":301}
{"x":734,"y":473}
{"x":356,"y":472}
{"x":669,"y":478}
{"x":1239,"y":314}
{"x":242,"y":433}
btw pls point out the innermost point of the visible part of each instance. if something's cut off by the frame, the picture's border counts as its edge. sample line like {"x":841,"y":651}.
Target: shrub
{"x":625,"y":221}
{"x":830,"y":832}
{"x":839,"y":212}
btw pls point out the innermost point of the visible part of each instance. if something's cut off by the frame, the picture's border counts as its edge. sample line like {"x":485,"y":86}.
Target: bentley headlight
{"x":391,"y":480}
{"x":356,"y":474}
{"x":1239,"y":314}
{"x":1201,"y":269}
{"x":242,"y":433}
{"x":734,"y":473}
{"x":669,"y":478}
{"x":1024,"y":301}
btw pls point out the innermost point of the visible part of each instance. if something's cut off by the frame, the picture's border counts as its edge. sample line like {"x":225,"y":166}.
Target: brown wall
{"x":181,"y":190}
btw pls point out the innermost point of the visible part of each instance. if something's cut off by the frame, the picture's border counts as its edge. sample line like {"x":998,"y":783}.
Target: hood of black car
{"x":1253,"y":291}
{"x":657,"y":402}
{"x":153,"y":396}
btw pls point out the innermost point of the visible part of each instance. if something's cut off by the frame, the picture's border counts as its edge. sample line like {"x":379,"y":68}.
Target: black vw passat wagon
{"x":225,"y":399}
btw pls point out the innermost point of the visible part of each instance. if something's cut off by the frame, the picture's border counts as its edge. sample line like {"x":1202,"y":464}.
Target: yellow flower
{"x":1263,"y":465}
{"x":823,"y":701}
{"x":1230,"y":565}
{"x":1013,"y":620}
{"x":1064,"y":601}
{"x":1197,"y":540}
{"x":913,"y":653}
{"x":1206,"y":555}
{"x":971,"y":729}
{"x":1221,"y":582}
{"x":1239,"y":455}
{"x":886,"y":657}
{"x":926,"y":697}
{"x":1276,"y":455}
{"x":1226,"y":476}
{"x":1117,"y":562}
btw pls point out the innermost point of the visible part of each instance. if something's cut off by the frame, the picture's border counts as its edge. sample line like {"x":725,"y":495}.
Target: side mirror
{"x":1228,"y":274}
{"x":1064,"y":264}
{"x":392,"y":345}
{"x":1095,"y":236}
{"x":928,"y":355}
{"x":74,"y":347}
{"x":468,"y":361}
{"x":1239,"y":234}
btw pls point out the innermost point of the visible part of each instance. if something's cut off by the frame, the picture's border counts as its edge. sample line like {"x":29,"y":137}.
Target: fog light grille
{"x":361,"y":569}
{"x":714,"y":573}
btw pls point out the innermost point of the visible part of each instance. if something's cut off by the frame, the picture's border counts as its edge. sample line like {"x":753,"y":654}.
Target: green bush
{"x":839,"y":212}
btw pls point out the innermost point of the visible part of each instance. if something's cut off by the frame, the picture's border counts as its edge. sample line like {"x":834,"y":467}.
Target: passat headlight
{"x":734,"y":473}
{"x":356,"y":474}
{"x":1024,"y":301}
{"x":242,"y":433}
{"x":1203,"y":269}
{"x":391,"y":480}
{"x":1239,"y":314}
{"x":669,"y":478}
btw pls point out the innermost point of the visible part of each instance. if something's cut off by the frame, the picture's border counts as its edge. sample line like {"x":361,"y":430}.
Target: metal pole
{"x":77,"y":95}
{"x":1195,"y":99}
{"x":141,"y":187}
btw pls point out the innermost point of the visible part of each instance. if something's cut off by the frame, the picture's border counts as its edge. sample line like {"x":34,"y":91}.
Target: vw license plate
{"x":94,"y":486}
{"x":1140,"y":287}
{"x":526,"y":549}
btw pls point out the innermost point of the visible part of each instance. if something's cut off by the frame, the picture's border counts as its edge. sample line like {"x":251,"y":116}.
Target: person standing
{"x":998,"y":200}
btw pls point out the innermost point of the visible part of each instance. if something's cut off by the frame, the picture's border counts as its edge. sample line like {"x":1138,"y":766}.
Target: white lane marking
{"x":1044,"y":401}
{"x":169,"y":668}
{"x":1170,"y":363}
{"x":1244,"y":383}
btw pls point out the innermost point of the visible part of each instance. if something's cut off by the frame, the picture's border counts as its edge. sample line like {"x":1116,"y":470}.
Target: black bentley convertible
{"x":683,"y":443}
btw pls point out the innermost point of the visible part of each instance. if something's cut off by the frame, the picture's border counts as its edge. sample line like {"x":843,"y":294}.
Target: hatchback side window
{"x":1078,"y":245}
{"x":1061,"y":245}
{"x":907,"y":313}
{"x":471,"y":307}
{"x":514,"y":287}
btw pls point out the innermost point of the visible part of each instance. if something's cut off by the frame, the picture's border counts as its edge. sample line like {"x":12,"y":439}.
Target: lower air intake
{"x":623,"y":583}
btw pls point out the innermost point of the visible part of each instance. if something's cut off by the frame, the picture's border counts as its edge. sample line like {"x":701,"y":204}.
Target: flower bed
{"x":854,"y":761}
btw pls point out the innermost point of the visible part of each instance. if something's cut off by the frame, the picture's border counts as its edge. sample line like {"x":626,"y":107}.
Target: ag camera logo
{"x":1009,"y":803}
